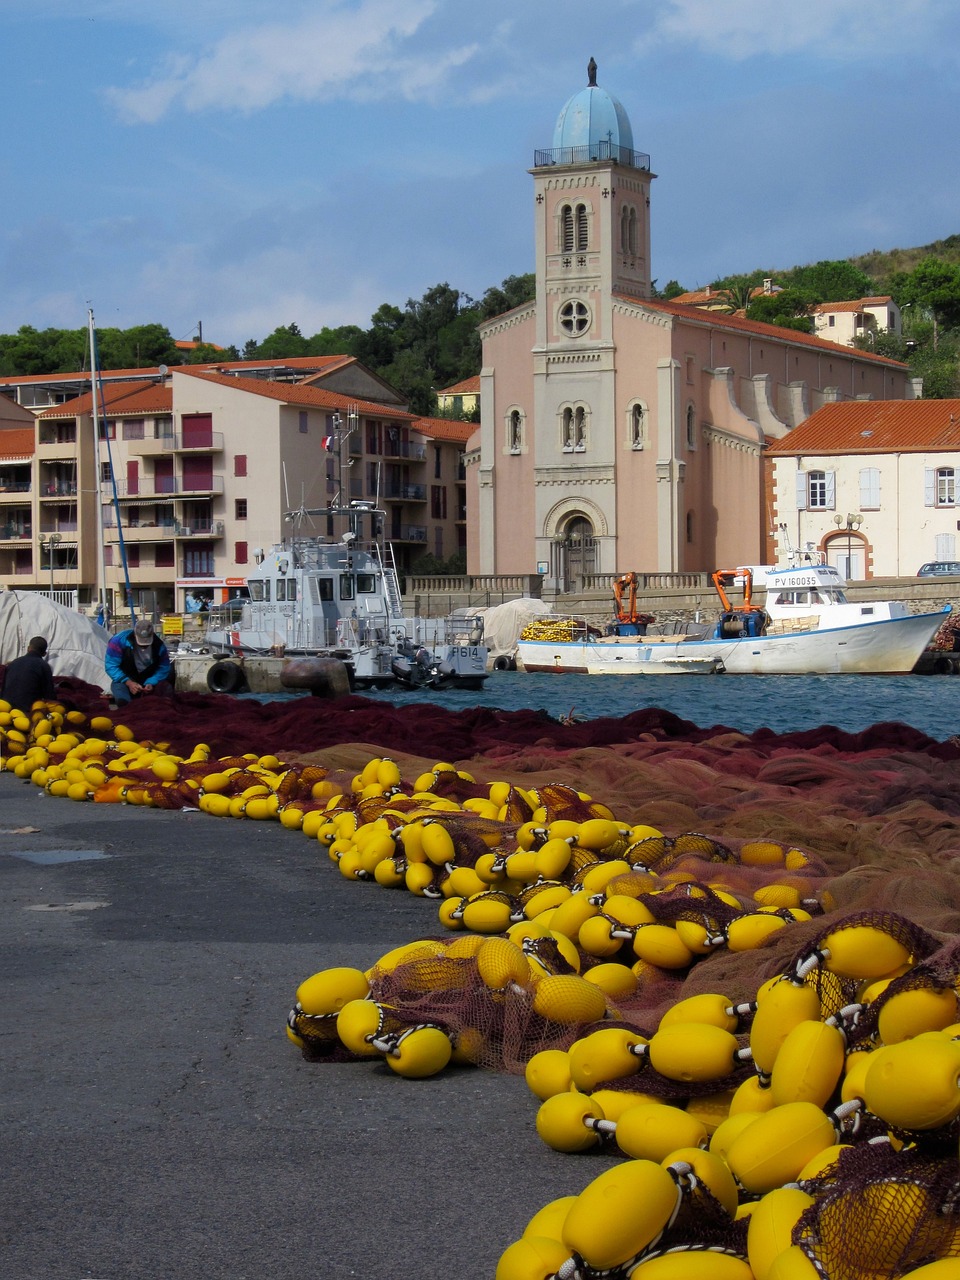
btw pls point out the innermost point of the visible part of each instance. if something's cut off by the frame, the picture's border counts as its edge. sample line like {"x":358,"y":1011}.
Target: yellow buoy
{"x":653,"y":1130}
{"x":330,"y":989}
{"x":603,"y":1056}
{"x":914,"y":1084}
{"x":780,"y":1006}
{"x":561,"y":1122}
{"x":809,"y":1065}
{"x":357,"y":1023}
{"x":420,"y":1053}
{"x":620,"y":1213}
{"x":686,"y":1263}
{"x":568,"y":998}
{"x":906,"y":1014}
{"x":548,"y":1073}
{"x":771,"y":1226}
{"x":500,"y":962}
{"x":774,"y":1148}
{"x":531,"y":1258}
{"x":862,"y":952}
{"x":693,"y":1051}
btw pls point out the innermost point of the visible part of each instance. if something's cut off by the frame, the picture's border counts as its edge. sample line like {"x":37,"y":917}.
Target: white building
{"x":874,"y":485}
{"x":844,"y":322}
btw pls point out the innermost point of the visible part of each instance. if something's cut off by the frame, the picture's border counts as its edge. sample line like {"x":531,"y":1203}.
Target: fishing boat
{"x":333,"y":599}
{"x":806,"y":626}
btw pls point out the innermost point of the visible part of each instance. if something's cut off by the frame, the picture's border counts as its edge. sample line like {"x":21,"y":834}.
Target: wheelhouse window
{"x":346,"y":586}
{"x":366,"y":583}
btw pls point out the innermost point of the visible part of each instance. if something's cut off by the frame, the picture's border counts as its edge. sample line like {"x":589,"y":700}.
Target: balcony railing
{"x":167,"y":487}
{"x":595,"y":151}
{"x":406,"y":492}
{"x":409,"y":533}
{"x":14,"y":486}
{"x":213,"y":443}
{"x":58,"y":489}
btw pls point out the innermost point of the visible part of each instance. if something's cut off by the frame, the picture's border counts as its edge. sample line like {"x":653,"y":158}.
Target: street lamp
{"x":51,"y":542}
{"x":852,"y":521}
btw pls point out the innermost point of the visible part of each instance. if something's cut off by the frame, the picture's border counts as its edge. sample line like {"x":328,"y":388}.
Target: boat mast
{"x":101,"y":554}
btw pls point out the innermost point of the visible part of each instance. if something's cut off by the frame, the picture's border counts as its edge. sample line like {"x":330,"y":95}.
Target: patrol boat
{"x":328,"y":599}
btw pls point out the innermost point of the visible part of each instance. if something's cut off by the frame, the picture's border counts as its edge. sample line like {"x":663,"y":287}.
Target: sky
{"x":245,"y":166}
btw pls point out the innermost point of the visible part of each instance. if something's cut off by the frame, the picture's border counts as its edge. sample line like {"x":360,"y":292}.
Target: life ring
{"x":504,"y":663}
{"x":224,"y":677}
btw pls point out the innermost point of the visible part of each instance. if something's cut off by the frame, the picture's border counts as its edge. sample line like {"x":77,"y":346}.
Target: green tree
{"x":788,"y":309}
{"x":829,"y":281}
{"x":285,"y":342}
{"x":934,"y":287}
{"x":514,"y":291}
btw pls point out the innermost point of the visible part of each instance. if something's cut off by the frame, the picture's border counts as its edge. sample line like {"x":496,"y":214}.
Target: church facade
{"x":618,"y":431}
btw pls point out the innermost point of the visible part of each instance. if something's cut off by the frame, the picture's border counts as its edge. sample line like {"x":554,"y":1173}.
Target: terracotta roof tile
{"x":118,"y":398}
{"x":774,"y":332}
{"x":875,"y":426}
{"x":469,"y":386}
{"x":308,"y":364}
{"x":853,"y":304}
{"x":294,"y":393}
{"x":16,"y":443}
{"x":445,"y":429}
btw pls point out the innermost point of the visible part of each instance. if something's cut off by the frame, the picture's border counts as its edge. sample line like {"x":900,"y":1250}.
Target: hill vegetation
{"x":432,"y":342}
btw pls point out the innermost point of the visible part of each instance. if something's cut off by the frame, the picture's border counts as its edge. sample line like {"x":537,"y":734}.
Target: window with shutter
{"x":869,"y":488}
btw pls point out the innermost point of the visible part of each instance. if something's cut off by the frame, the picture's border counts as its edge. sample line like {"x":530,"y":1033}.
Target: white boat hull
{"x":889,"y":646}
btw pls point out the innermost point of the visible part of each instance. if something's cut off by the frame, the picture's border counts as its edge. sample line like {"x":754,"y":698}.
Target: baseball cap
{"x":143,"y":632}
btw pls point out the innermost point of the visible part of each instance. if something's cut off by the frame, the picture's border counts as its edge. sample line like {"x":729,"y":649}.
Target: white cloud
{"x":841,"y":30}
{"x":361,"y":52}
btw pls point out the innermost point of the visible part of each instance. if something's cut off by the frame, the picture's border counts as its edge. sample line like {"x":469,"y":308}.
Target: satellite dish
{"x":163,"y":371}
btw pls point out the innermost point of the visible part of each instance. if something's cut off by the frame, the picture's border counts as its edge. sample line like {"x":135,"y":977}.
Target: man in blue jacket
{"x":137,"y":662}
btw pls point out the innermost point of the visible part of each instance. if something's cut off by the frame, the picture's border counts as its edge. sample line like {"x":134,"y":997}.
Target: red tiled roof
{"x":773,"y":332}
{"x":445,"y":429}
{"x":314,"y":364}
{"x":294,"y":393}
{"x":853,"y":304}
{"x":875,"y":426}
{"x":118,"y":399}
{"x":469,"y":386}
{"x":697,"y":297}
{"x":16,"y":442}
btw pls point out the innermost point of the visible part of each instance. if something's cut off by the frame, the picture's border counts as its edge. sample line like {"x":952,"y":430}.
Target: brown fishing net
{"x":882,"y":1212}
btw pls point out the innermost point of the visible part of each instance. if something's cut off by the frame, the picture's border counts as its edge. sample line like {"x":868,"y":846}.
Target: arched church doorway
{"x":576,"y":552}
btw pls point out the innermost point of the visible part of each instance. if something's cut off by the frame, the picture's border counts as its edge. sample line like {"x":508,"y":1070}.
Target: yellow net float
{"x":621,"y":1213}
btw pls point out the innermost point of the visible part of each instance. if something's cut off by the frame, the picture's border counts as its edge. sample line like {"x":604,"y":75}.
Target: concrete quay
{"x":157,"y":1123}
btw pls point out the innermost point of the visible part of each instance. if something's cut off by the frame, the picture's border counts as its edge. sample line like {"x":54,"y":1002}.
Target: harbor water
{"x":784,"y":704}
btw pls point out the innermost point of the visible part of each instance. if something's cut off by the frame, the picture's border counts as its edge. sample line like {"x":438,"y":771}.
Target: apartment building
{"x":199,"y":467}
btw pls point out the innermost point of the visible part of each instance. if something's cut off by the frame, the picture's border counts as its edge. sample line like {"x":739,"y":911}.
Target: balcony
{"x":213,"y":529}
{"x":51,"y":447}
{"x":409,"y":533}
{"x":405,"y":492}
{"x":594,"y":151}
{"x":143,"y":532}
{"x":151,"y":487}
{"x":15,"y":534}
{"x":10,"y":488}
{"x":58,"y":489}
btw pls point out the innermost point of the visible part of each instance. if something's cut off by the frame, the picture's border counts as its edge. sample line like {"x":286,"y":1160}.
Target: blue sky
{"x":201,"y":161}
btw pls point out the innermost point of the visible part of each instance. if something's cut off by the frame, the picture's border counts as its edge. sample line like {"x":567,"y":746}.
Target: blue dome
{"x":593,"y":116}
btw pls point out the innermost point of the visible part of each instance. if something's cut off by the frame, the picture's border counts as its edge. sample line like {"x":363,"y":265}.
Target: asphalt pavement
{"x":156,"y":1121}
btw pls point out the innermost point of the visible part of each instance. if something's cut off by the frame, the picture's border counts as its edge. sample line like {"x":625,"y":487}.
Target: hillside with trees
{"x":432,"y":342}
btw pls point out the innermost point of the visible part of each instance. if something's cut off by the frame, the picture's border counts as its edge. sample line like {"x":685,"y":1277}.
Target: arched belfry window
{"x":566,"y":229}
{"x":632,"y":232}
{"x":581,"y":226}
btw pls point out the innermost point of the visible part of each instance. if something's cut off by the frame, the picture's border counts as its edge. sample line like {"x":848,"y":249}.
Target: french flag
{"x":327,"y":443}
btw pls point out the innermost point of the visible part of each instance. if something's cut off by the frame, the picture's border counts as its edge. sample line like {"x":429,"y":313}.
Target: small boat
{"x":805,"y":627}
{"x":325,"y":598}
